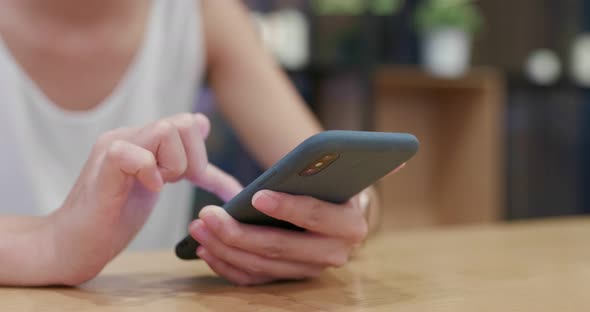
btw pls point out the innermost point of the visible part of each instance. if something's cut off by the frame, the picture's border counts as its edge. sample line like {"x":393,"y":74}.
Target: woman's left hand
{"x":249,"y":255}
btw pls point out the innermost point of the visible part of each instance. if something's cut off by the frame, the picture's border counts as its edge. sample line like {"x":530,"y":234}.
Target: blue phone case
{"x":361,"y":159}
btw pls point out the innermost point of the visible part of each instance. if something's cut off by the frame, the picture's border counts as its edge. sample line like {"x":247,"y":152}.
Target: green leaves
{"x":430,"y":14}
{"x":437,"y":14}
{"x":356,"y":7}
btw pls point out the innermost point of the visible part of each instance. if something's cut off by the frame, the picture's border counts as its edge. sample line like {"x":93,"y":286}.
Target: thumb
{"x":204,"y":125}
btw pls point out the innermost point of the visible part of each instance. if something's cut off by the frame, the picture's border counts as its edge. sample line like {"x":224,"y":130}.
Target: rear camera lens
{"x":328,"y":157}
{"x":310,"y":172}
{"x":319,"y":165}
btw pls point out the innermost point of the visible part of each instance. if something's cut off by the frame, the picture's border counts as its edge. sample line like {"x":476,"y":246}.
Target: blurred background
{"x":497,"y":92}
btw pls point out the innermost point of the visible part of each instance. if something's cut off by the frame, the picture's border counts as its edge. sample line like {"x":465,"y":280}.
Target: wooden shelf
{"x":400,"y":78}
{"x":457,"y":175}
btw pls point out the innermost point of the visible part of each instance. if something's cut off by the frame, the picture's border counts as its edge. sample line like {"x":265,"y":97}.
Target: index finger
{"x":193,"y":130}
{"x":218,"y":182}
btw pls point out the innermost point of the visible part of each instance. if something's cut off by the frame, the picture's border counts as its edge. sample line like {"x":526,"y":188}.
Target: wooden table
{"x":536,"y":266}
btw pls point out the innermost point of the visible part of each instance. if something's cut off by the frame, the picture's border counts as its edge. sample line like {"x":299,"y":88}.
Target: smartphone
{"x":332,"y":166}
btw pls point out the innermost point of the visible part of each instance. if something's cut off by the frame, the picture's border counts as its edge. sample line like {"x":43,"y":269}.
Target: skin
{"x":54,"y":41}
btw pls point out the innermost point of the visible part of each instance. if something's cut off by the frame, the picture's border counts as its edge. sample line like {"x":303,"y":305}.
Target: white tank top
{"x":43,"y":147}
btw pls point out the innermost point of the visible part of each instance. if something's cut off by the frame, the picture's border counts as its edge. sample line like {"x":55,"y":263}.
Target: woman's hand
{"x":248,"y":255}
{"x":118,"y":188}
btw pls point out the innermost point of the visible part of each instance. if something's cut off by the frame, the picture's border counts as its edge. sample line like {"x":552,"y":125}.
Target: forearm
{"x":253,"y":92}
{"x":26,"y":252}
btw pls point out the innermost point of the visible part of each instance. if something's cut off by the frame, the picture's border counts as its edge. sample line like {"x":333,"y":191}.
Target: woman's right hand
{"x":118,"y":188}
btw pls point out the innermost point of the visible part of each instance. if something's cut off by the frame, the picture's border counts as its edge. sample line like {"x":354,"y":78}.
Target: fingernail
{"x":265,"y":201}
{"x":210,"y":218}
{"x":199,"y":231}
{"x":194,"y":225}
{"x":159,"y":181}
{"x":200,"y":251}
{"x":203,"y":254}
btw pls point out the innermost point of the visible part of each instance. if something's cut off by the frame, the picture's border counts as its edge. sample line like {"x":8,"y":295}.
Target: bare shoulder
{"x":221,"y":6}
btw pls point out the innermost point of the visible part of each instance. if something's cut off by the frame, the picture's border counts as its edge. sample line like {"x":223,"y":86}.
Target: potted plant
{"x":446,"y":28}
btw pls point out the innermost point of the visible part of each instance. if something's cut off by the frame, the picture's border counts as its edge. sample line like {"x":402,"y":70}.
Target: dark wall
{"x":514,"y":28}
{"x":543,"y":124}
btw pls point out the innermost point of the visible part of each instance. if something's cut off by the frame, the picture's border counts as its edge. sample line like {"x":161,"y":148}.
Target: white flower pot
{"x":446,"y":52}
